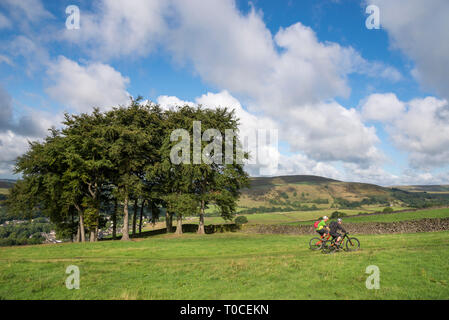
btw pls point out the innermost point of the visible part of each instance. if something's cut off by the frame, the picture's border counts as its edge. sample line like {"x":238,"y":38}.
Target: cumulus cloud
{"x":228,"y":49}
{"x":317,"y":134}
{"x":15,"y":132}
{"x":419,"y":29}
{"x":276,"y":72}
{"x":35,"y":56}
{"x":419,"y":126}
{"x":4,"y":22}
{"x":167,"y":102}
{"x":82,"y":87}
{"x":382,"y":107}
{"x":124,"y":27}
{"x":26,"y":10}
{"x":330,"y":132}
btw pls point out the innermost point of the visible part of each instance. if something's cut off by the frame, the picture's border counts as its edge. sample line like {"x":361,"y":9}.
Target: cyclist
{"x":334,"y":227}
{"x":322,"y":228}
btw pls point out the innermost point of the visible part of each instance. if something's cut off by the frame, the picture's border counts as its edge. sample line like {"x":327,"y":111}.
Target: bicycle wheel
{"x":327,"y":247}
{"x":352,"y":244}
{"x":315,"y":243}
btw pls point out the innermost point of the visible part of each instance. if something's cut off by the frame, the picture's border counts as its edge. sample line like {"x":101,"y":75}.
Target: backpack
{"x":315,"y":225}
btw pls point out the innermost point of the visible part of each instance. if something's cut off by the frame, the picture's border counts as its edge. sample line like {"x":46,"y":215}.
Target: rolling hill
{"x":302,"y":191}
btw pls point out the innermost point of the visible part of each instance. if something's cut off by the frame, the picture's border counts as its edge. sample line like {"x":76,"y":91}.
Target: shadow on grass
{"x":186,"y":228}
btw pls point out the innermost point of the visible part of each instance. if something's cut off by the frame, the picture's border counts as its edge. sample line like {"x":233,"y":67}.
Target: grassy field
{"x":229,"y":266}
{"x":307,"y":217}
{"x":392,"y":217}
{"x":4,"y":191}
{"x":282,"y":217}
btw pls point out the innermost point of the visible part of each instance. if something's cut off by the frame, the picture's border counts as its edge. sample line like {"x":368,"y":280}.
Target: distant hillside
{"x":6,"y":183}
{"x":425,"y":188}
{"x":303,"y":192}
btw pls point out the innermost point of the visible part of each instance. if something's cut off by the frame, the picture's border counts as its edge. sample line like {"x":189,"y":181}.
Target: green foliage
{"x":420,"y":200}
{"x":182,"y":204}
{"x":388,"y":209}
{"x":77,"y":173}
{"x":283,"y":195}
{"x":337,"y":214}
{"x":23,"y":233}
{"x":241,"y":220}
{"x":373,"y":200}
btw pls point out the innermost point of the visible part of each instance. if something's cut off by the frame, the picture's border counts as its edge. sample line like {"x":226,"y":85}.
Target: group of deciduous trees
{"x":103,"y":161}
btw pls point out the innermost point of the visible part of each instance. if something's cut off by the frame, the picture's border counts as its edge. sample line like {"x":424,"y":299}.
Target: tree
{"x":89,"y":166}
{"x":44,"y":186}
{"x":134,"y":134}
{"x":183,"y":204}
{"x":212,"y":175}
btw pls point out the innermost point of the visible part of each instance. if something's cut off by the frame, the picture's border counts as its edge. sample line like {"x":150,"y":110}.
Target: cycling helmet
{"x":339,"y":220}
{"x":325,"y":218}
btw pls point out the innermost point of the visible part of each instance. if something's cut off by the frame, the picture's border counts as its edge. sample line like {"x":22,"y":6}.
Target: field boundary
{"x":408,"y":226}
{"x":364,"y":214}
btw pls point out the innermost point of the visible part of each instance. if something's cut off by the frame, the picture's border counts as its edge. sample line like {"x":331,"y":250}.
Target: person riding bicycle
{"x":334,"y":227}
{"x":322,"y":228}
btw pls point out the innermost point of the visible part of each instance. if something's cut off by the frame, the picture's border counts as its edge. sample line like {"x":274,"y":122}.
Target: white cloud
{"x":281,"y":76}
{"x":382,"y":107}
{"x":419,"y":29}
{"x":419,"y":127}
{"x":318,"y":133}
{"x":83,"y":87}
{"x":167,"y":102}
{"x":330,"y":132}
{"x":228,"y":49}
{"x":26,"y":10}
{"x":120,"y":27}
{"x":4,"y":22}
{"x":34,"y":54}
{"x":5,"y":59}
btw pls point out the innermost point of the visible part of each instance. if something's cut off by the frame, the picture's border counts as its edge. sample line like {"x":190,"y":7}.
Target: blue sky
{"x":349,"y":103}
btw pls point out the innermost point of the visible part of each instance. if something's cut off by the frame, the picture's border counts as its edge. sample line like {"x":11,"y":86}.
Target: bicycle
{"x":316,"y":242}
{"x":331,"y":246}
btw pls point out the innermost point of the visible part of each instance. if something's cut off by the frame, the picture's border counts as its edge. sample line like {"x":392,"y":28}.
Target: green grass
{"x":4,"y":191}
{"x":282,"y":217}
{"x":229,"y":266}
{"x":392,"y":217}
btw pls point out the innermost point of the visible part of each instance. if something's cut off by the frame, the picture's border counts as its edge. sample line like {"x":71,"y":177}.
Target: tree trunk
{"x":136,"y":207}
{"x":141,"y":216}
{"x":92,"y":235}
{"x":125,"y":230}
{"x":77,"y":237}
{"x":114,"y":221}
{"x":83,"y":234}
{"x":179,"y":224}
{"x":169,"y":221}
{"x":201,"y":224}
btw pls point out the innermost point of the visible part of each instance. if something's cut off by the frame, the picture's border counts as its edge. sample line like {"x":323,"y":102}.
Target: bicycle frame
{"x":342,"y":240}
{"x":323,"y":238}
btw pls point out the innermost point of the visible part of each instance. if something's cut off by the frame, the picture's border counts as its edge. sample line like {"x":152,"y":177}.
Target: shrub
{"x":241,"y":220}
{"x":338,"y":214}
{"x":388,"y":209}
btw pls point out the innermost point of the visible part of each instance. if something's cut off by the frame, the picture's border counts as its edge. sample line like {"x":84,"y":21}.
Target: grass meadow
{"x":229,"y":266}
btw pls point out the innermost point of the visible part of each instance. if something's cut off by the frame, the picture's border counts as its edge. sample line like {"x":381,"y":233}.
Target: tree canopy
{"x":80,"y":175}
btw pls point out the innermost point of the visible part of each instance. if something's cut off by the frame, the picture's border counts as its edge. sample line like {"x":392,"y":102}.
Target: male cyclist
{"x":334,"y":227}
{"x":322,"y":228}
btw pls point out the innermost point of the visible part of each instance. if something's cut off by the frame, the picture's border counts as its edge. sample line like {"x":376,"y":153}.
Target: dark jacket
{"x":335,"y":226}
